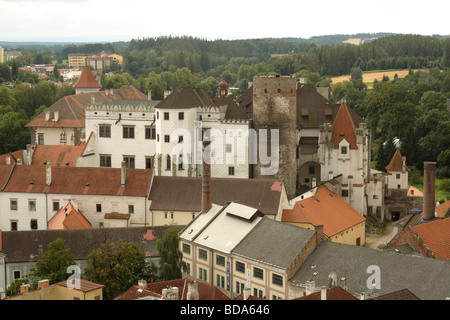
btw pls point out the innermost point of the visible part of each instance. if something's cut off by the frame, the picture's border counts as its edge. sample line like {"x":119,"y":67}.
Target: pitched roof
{"x":436,"y":236}
{"x":20,"y":245}
{"x":396,"y":163}
{"x":68,"y":218}
{"x":442,"y":209}
{"x":82,"y":285}
{"x":344,"y":128}
{"x":87,"y":79}
{"x":324,"y":208}
{"x":78,"y":180}
{"x":262,"y":243}
{"x":71,"y":109}
{"x":428,"y":278}
{"x":186,"y":98}
{"x":403,"y":294}
{"x":334,"y":293}
{"x":58,"y":155}
{"x":16,"y":154}
{"x":205,"y":290}
{"x":184,"y":193}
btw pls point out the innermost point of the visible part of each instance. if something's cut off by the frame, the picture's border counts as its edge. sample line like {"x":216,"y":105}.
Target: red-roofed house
{"x":86,"y":82}
{"x":341,"y":222}
{"x":68,"y":218}
{"x":397,"y":172}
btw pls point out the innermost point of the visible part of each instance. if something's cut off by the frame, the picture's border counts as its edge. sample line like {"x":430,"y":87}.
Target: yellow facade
{"x":117,"y":58}
{"x":77,"y":60}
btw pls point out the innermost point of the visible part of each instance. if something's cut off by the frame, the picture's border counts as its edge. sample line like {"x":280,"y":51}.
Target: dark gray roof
{"x":19,"y":245}
{"x":428,"y":279}
{"x":263,"y":243}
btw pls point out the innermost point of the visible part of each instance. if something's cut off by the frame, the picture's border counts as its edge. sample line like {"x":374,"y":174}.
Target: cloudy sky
{"x":116,"y":20}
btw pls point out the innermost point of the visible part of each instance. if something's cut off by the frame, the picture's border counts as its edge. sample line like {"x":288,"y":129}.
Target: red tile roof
{"x":77,"y":180}
{"x":436,"y":236}
{"x":442,"y":209}
{"x":344,"y":127}
{"x":17,"y":154}
{"x":84,"y":285}
{"x":64,"y":155}
{"x":68,"y":218}
{"x":403,"y":294}
{"x":325,"y":208}
{"x":396,"y":163}
{"x":334,"y":293}
{"x":87,"y":79}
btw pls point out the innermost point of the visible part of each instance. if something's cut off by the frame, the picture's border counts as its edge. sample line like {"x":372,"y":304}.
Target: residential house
{"x":68,"y":218}
{"x":99,"y":62}
{"x":64,"y":290}
{"x":341,"y":222}
{"x":77,"y":60}
{"x":19,"y":250}
{"x":107,"y":197}
{"x":179,"y":199}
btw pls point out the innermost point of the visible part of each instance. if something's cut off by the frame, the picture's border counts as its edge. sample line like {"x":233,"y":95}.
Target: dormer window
{"x":343,"y":150}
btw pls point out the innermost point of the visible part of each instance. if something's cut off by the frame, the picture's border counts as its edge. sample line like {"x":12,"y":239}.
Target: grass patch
{"x":440,"y":193}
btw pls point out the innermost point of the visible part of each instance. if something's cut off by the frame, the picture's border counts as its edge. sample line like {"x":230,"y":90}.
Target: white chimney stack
{"x":246,"y":293}
{"x":310,"y":287}
{"x":123,"y":173}
{"x":48,"y":174}
{"x":149,"y":95}
{"x":47,"y":115}
{"x":8,"y":160}
{"x":192,"y":293}
{"x":323,"y":293}
{"x":56,"y":116}
{"x":142,"y":284}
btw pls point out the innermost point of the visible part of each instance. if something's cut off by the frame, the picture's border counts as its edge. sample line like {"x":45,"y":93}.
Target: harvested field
{"x":370,"y":77}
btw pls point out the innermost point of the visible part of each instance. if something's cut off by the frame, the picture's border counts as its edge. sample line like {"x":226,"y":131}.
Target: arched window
{"x":168,"y":163}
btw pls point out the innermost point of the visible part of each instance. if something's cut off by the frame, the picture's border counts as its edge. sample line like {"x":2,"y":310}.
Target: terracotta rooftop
{"x":87,"y":79}
{"x":344,"y":128}
{"x":62,"y":155}
{"x":404,"y":294}
{"x":16,"y":154}
{"x":443,"y":209}
{"x":396,"y":163}
{"x":71,"y":109}
{"x":76,"y":180}
{"x":68,"y":218}
{"x":184,"y":194}
{"x":205,"y":290}
{"x":436,"y":236}
{"x":334,"y":293}
{"x":325,"y":208}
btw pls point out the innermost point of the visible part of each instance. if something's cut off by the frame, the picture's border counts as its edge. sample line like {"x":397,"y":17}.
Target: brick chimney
{"x":206,"y":178}
{"x":24,"y":289}
{"x":429,"y":190}
{"x":43,"y":284}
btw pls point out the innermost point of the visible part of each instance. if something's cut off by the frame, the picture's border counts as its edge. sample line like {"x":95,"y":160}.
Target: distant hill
{"x":340,"y":38}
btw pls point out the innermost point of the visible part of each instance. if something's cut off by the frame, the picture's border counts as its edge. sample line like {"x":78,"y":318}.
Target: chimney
{"x":43,"y":284}
{"x":142,"y":284}
{"x":149,"y":95}
{"x":24,"y":288}
{"x":206,"y":178}
{"x":428,"y":190}
{"x":167,"y":93}
{"x":56,"y":116}
{"x":19,"y":162}
{"x":246,"y":293}
{"x":310,"y":287}
{"x":192,"y":293}
{"x":47,"y":115}
{"x":8,"y":160}
{"x":404,"y":164}
{"x":323,"y":293}
{"x":92,"y":99}
{"x":48,"y":174}
{"x":123,"y":173}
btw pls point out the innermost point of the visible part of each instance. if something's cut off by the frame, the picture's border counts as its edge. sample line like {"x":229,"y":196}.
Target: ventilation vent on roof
{"x":190,"y":231}
{"x":205,"y":237}
{"x":302,"y":206}
{"x":317,"y":200}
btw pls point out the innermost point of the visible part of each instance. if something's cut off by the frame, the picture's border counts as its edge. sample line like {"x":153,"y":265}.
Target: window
{"x":229,"y":148}
{"x":186,"y":248}
{"x":105,"y":161}
{"x":131,"y":208}
{"x":33,"y":224}
{"x":150,"y":133}
{"x":98,"y":207}
{"x":104,"y":131}
{"x":399,"y":186}
{"x":31,"y":205}
{"x":17,"y":274}
{"x":231,"y":171}
{"x":345,"y":193}
{"x":148,"y":162}
{"x":180,"y":139}
{"x":188,"y":268}
{"x":202,"y":274}
{"x":157,"y":115}
{"x":257,"y":293}
{"x":40,"y":138}
{"x":220,"y":260}
{"x":240,"y":267}
{"x":166,"y":138}
{"x":55,"y":205}
{"x":13,"y":225}
{"x":344,"y":150}
{"x":220,"y":281}
{"x":180,"y":115}
{"x":129,"y":161}
{"x":239,"y":287}
{"x":168,"y":163}
{"x":397,"y":175}
{"x":180,"y":162}
{"x":312,"y":170}
{"x":277,"y":280}
{"x":128,"y":132}
{"x":202,"y":254}
{"x":13,"y":204}
{"x":375,"y":196}
{"x":258,"y":273}
{"x":166,"y":116}
{"x":157,"y":137}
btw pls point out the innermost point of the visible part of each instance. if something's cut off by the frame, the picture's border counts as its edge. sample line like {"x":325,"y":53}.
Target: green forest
{"x":412,"y":110}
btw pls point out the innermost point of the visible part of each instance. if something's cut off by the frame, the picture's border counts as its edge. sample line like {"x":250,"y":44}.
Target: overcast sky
{"x":116,"y":20}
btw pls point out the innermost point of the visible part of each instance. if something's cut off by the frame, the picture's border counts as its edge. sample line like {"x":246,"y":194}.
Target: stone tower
{"x":275,"y":107}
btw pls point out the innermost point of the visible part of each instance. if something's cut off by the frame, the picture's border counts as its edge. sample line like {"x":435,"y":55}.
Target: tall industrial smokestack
{"x":206,"y":178}
{"x":428,"y":190}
